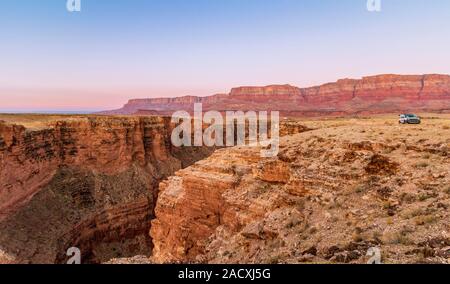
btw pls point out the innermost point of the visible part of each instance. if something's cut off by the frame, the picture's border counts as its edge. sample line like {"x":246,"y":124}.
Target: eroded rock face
{"x":105,"y":216}
{"x":88,"y":182}
{"x":369,"y":95}
{"x":29,"y":159}
{"x":329,"y":196}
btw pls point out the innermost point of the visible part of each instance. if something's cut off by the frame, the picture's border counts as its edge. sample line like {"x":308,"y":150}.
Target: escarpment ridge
{"x":369,"y":95}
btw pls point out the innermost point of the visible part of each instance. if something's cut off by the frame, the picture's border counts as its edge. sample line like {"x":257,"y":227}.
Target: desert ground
{"x":344,"y":186}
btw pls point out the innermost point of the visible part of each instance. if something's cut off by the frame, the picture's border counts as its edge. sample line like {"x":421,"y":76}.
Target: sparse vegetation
{"x":408,"y":197}
{"x":376,"y":235}
{"x":424,"y":220}
{"x":422,"y":165}
{"x":292,"y":223}
{"x":447,"y":190}
{"x":312,"y":230}
{"x":274,"y":260}
{"x":427,"y":195}
{"x":395,"y":238}
{"x":413,"y":213}
{"x":361,"y":188}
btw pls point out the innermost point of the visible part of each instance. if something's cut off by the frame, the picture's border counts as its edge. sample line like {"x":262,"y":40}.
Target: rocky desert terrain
{"x":331,"y":194}
{"x":115,"y":187}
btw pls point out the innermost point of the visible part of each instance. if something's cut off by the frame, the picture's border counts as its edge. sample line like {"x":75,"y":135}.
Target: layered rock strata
{"x":87,"y":182}
{"x":329,"y":196}
{"x":369,"y":95}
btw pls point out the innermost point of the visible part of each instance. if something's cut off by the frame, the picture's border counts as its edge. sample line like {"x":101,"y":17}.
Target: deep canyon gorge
{"x":89,"y":183}
{"x":86,"y":182}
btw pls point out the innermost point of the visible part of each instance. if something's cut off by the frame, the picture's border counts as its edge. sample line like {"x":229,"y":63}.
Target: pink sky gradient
{"x":107,"y":54}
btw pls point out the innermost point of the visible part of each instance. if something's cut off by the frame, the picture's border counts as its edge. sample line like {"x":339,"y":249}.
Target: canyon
{"x":89,"y":182}
{"x":347,"y":97}
{"x":117,"y":189}
{"x":86,"y":182}
{"x":347,"y":178}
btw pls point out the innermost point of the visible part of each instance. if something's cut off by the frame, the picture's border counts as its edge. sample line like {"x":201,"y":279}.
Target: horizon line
{"x":82,"y":111}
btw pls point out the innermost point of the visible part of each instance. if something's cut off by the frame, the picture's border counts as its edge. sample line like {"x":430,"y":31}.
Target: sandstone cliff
{"x":89,"y":182}
{"x":375,"y":94}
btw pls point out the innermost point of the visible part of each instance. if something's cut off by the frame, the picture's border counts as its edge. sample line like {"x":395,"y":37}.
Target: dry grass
{"x":395,"y":238}
{"x":37,"y":121}
{"x":424,"y":220}
{"x":422,"y":165}
{"x":413,"y":213}
{"x":447,"y":190}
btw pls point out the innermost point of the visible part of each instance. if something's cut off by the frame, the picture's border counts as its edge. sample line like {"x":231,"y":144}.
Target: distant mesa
{"x":369,"y":95}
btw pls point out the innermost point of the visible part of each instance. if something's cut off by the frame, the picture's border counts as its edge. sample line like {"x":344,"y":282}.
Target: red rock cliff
{"x":375,"y":94}
{"x":329,"y":196}
{"x":84,"y":182}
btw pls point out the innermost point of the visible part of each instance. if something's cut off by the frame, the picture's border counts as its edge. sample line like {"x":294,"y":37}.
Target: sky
{"x":114,"y":50}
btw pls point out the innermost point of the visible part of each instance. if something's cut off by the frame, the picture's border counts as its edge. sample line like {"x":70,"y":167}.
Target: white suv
{"x":409,"y":119}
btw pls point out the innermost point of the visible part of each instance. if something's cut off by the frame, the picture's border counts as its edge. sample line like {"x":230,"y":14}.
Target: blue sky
{"x":119,"y":49}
